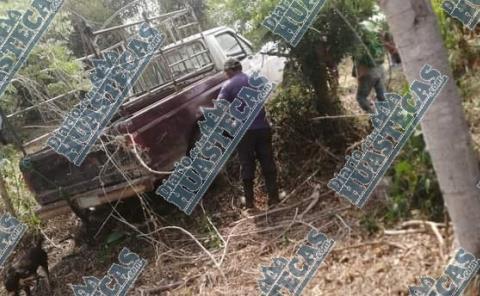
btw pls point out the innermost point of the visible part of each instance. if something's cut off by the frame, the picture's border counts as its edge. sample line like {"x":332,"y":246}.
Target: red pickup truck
{"x":153,"y":129}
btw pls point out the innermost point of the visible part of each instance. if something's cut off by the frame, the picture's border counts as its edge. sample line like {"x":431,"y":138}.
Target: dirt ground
{"x":220,"y":250}
{"x":385,"y":263}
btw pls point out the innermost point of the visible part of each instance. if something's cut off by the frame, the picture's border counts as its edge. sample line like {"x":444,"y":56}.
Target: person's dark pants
{"x":373,"y":79}
{"x":257,"y":144}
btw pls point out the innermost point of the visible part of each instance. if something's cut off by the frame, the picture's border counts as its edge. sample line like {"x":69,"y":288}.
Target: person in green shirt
{"x":368,"y":69}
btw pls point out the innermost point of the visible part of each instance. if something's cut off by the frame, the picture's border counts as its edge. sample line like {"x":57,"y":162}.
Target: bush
{"x":415,"y":184}
{"x":22,"y":199}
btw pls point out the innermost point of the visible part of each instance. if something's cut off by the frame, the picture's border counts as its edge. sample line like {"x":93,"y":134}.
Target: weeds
{"x":212,"y":240}
{"x":22,"y":199}
{"x":369,"y":223}
{"x":415,"y":184}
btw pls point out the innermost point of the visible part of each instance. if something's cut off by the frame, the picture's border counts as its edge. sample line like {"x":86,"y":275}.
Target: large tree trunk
{"x":415,"y":30}
{"x":314,"y":64}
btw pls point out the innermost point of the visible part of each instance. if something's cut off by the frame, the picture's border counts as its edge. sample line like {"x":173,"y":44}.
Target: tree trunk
{"x":416,"y":32}
{"x":314,"y":68}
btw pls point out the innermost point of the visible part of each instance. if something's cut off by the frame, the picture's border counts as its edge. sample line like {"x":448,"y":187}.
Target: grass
{"x":22,"y":199}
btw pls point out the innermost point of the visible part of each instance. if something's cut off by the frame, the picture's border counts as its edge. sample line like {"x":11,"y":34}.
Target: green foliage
{"x":375,"y":54}
{"x":50,"y":69}
{"x":462,"y":55}
{"x":95,"y":12}
{"x":293,"y":102}
{"x":369,"y":223}
{"x":291,"y":108}
{"x":332,"y":37}
{"x":447,"y":28}
{"x":22,"y":200}
{"x":415,"y":184}
{"x":103,"y":254}
{"x":115,"y":238}
{"x":212,"y":239}
{"x":243,"y":15}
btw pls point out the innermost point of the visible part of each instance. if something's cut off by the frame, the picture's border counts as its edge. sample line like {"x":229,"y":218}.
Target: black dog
{"x":25,"y":268}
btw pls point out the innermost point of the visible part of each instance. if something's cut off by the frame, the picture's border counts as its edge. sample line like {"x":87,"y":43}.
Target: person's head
{"x":231,"y":67}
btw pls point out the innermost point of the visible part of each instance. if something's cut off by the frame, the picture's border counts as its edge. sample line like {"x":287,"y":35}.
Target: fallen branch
{"x":340,"y":116}
{"x":420,"y":222}
{"x":344,"y":223}
{"x":140,"y":160}
{"x":281,"y":225}
{"x":300,"y":185}
{"x":269,"y":212}
{"x":316,"y":197}
{"x":168,"y":287}
{"x":370,"y":244}
{"x":281,"y":234}
{"x":402,"y":232}
{"x":440,"y":239}
{"x":212,"y":258}
{"x":434,"y":227}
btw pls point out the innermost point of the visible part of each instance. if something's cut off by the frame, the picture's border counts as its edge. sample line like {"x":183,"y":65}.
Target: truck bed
{"x":162,"y":128}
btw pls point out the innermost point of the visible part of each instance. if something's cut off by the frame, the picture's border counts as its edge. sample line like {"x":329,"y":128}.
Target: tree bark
{"x":415,"y":29}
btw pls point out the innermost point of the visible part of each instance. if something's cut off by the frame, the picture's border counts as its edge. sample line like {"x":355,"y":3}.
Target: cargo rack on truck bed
{"x":182,"y":59}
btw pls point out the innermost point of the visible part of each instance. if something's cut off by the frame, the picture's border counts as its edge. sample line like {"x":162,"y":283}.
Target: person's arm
{"x":390,"y":46}
{"x":224,"y":92}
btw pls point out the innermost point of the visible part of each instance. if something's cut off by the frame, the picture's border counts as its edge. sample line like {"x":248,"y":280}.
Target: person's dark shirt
{"x":229,"y":91}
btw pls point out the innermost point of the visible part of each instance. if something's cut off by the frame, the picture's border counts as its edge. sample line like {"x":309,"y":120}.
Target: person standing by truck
{"x":257,"y":142}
